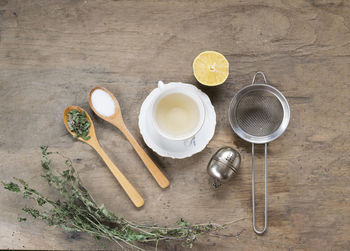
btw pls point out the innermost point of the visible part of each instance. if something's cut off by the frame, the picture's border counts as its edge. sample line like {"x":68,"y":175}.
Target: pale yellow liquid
{"x":177,"y":115}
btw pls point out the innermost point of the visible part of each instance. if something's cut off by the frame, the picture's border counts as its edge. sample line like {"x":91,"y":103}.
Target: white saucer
{"x":177,"y":149}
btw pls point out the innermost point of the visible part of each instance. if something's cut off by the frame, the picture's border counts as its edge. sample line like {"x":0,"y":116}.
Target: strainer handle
{"x":253,"y":192}
{"x":261,"y":73}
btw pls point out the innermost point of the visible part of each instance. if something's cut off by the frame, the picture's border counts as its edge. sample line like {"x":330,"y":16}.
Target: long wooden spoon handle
{"x":162,"y":181}
{"x":134,"y":196}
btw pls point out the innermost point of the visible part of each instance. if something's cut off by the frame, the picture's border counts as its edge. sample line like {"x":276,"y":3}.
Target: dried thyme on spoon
{"x":79,"y":124}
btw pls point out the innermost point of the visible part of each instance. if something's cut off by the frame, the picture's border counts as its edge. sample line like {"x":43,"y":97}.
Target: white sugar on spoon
{"x":103,"y":103}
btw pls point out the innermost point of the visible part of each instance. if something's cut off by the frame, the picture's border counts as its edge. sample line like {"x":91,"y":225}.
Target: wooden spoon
{"x":134,"y":196}
{"x":117,"y":120}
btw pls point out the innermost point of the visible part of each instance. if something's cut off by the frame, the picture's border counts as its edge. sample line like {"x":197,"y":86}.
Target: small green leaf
{"x":45,"y":164}
{"x":65,"y":173}
{"x":41,"y":201}
{"x":183,"y":223}
{"x":68,"y":228}
{"x":20,"y":219}
{"x":43,"y":149}
{"x":13,"y":187}
{"x":33,"y":212}
{"x":26,"y":194}
{"x":85,"y":138}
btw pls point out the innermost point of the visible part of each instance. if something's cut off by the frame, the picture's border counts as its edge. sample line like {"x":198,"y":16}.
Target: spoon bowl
{"x":117,"y":116}
{"x":117,"y":120}
{"x":92,"y":133}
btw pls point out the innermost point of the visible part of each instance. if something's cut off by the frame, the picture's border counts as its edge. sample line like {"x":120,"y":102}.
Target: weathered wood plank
{"x":53,"y":52}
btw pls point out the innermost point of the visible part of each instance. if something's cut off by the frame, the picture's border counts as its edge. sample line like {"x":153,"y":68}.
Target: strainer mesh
{"x":259,"y":113}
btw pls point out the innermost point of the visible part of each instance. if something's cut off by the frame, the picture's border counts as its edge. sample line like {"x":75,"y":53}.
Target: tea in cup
{"x":178,"y":113}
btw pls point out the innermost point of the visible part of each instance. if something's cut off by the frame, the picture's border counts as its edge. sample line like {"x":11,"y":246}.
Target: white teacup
{"x":177,"y":113}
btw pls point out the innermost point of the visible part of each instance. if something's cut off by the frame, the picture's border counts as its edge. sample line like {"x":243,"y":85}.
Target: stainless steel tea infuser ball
{"x":224,"y":164}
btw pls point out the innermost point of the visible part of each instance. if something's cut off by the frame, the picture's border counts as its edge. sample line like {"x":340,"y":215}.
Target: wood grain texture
{"x":53,"y":52}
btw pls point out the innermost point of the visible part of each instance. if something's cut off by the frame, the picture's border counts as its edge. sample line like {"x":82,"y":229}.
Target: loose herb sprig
{"x":79,"y":124}
{"x":78,"y":211}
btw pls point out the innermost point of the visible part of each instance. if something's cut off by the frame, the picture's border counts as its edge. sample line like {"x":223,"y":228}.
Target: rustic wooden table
{"x":53,"y":52}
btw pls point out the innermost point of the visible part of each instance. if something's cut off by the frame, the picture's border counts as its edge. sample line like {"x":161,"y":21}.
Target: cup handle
{"x":160,"y":84}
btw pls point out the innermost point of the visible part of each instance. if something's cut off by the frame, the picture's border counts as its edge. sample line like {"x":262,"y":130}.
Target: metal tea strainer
{"x":259,"y":114}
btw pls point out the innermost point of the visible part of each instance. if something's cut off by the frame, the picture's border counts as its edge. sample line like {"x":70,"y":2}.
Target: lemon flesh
{"x":210,"y":68}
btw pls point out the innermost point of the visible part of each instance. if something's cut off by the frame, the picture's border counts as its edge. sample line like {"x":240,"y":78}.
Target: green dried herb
{"x":78,"y":211}
{"x":79,"y":124}
{"x":20,"y":219}
{"x":13,"y":187}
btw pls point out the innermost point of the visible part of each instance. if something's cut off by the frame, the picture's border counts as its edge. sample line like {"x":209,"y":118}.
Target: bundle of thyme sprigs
{"x":78,"y":211}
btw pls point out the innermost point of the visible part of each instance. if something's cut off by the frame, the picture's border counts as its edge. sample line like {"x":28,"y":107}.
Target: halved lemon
{"x":210,"y":68}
